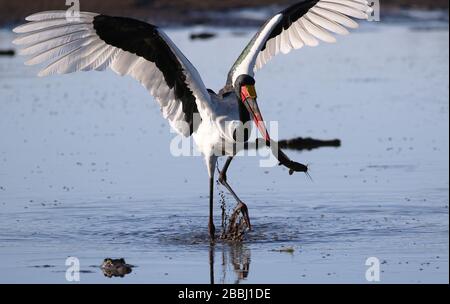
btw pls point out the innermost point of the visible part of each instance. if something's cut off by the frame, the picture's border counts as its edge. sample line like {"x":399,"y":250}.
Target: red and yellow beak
{"x":248,"y":95}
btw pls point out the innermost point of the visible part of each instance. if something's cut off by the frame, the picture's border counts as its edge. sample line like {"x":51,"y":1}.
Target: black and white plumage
{"x":303,"y":24}
{"x":128,"y":47}
{"x":146,"y":53}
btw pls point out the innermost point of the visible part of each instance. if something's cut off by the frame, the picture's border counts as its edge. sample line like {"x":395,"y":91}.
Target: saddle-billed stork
{"x":143,"y":51}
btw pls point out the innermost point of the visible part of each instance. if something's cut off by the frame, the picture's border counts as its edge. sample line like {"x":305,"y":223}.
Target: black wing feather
{"x":144,"y":40}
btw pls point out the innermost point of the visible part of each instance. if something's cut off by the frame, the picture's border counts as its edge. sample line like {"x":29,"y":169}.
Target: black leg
{"x":223,"y":178}
{"x":211,"y":164}
{"x":241,"y":207}
{"x":211,"y":264}
{"x":211,"y":227}
{"x":226,"y":166}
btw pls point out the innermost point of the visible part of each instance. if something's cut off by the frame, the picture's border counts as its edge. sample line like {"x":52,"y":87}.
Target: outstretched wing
{"x":304,"y":23}
{"x":129,"y":47}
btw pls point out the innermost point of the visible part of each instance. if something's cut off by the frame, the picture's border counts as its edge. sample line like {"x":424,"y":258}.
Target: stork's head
{"x":245,"y":89}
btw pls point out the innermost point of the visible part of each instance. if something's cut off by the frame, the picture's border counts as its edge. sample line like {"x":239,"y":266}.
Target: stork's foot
{"x":239,"y":223}
{"x":242,"y":208}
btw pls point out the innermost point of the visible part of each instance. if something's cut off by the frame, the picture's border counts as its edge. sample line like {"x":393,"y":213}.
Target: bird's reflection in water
{"x":235,"y":263}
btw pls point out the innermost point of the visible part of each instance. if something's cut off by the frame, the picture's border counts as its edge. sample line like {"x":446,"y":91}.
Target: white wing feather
{"x":68,"y":46}
{"x":326,"y":18}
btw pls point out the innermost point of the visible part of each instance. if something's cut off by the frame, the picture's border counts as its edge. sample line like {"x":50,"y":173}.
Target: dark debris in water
{"x":298,"y":144}
{"x":283,"y":249}
{"x":9,"y":53}
{"x":202,"y":36}
{"x":308,"y":144}
{"x":43,"y":266}
{"x":116,"y":268}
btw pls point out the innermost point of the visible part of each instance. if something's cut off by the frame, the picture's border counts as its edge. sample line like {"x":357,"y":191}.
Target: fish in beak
{"x":248,"y":96}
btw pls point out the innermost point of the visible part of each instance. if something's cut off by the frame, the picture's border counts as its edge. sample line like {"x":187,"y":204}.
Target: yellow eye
{"x":251,"y":91}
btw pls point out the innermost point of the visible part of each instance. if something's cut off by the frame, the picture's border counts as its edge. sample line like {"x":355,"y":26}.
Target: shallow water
{"x":86,"y":170}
